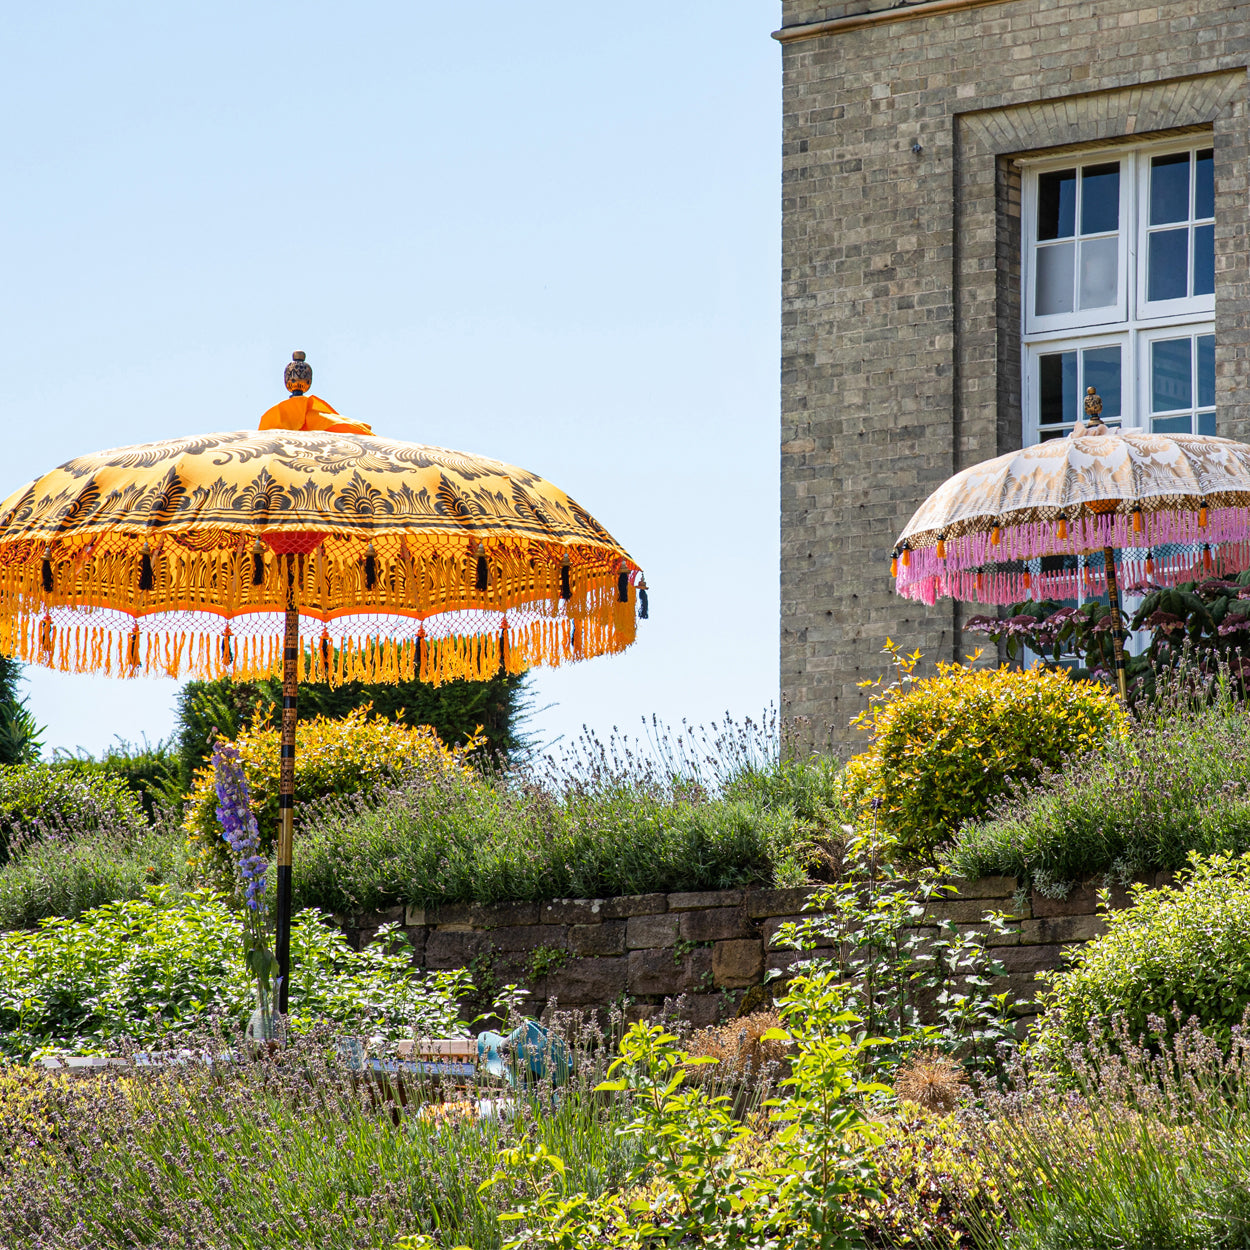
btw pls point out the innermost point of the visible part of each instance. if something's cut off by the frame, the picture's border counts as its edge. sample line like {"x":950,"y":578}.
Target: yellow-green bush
{"x":944,"y":747}
{"x":357,"y":754}
{"x":934,"y":1185}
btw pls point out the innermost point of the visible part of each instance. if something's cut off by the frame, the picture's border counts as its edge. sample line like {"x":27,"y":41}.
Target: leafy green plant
{"x":698,"y":1182}
{"x":150,"y":771}
{"x":20,"y":734}
{"x":36,"y":796}
{"x":924,"y":981}
{"x":1171,"y":955}
{"x":945,"y":747}
{"x":449,"y":836}
{"x":166,"y":962}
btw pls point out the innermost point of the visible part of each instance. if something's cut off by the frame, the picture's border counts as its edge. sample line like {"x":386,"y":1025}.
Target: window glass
{"x":1204,"y":184}
{"x":1056,"y":267}
{"x":1206,"y":371}
{"x":1171,"y":376}
{"x":1167,"y":265}
{"x":1102,"y":372}
{"x":1100,"y":198}
{"x":1204,"y":260}
{"x":1100,"y":262}
{"x":1057,"y":383}
{"x":1056,"y":205}
{"x":1169,"y":188}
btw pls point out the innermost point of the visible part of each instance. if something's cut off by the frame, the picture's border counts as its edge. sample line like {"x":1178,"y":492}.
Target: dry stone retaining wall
{"x":709,"y":947}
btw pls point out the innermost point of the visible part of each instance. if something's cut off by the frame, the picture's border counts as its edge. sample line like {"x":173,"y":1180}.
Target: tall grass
{"x":681,"y":813}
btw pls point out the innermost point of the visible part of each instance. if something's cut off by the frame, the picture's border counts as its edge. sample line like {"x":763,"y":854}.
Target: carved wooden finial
{"x":298,"y":374}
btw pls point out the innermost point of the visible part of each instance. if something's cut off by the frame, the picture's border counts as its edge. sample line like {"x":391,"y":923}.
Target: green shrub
{"x":167,"y":961}
{"x":1180,"y":784}
{"x":449,"y":836}
{"x":35,"y":795}
{"x":945,"y":747}
{"x":1172,"y":955}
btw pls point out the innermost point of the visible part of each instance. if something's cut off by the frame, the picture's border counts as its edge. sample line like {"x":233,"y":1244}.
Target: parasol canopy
{"x":1040,"y":521}
{"x":415,"y":561}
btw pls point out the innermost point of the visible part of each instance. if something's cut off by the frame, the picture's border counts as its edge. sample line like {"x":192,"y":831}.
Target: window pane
{"x":1204,"y":260}
{"x":1055,"y":271}
{"x":1099,"y":272}
{"x":1171,"y":425}
{"x":1056,"y":205}
{"x":1102,"y":372}
{"x":1169,"y":188}
{"x":1206,"y":422}
{"x":1204,"y":184}
{"x":1100,"y":198}
{"x":1167,"y":265}
{"x":1171,"y":378}
{"x":1057,"y":388}
{"x":1206,"y":370}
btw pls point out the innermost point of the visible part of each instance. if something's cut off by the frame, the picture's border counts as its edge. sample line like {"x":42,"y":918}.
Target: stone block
{"x":452,"y":948}
{"x":703,"y":1010}
{"x":633,"y":905}
{"x":737,"y":962}
{"x":571,"y":911}
{"x":715,"y":924}
{"x":762,"y":903}
{"x":644,"y":932}
{"x":961,"y":911}
{"x":589,"y":981}
{"x":654,"y":972}
{"x":607,"y":938}
{"x":526,"y":937}
{"x":1030,"y":958}
{"x":704,"y":898}
{"x":1062,"y":929}
{"x":414,"y":917}
{"x":985,"y":887}
{"x":507,"y":915}
{"x":460,"y":916}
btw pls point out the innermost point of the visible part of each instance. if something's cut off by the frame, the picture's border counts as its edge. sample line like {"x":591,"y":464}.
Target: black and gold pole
{"x":1117,"y":626}
{"x":286,"y":787}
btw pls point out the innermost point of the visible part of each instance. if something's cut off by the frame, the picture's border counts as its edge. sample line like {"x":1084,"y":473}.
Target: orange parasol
{"x":199,"y":556}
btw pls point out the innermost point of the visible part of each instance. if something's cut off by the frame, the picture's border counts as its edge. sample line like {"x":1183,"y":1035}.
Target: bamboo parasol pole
{"x":1117,"y":626}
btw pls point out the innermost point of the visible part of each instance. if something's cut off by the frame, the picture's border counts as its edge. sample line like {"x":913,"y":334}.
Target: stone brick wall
{"x":710,"y":947}
{"x":900,"y":259}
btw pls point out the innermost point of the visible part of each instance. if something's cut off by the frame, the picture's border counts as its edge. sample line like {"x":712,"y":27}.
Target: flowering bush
{"x":944,"y":747}
{"x":359,"y":754}
{"x":36,"y":796}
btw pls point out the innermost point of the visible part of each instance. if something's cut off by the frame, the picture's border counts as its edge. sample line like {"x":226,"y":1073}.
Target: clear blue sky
{"x":546,"y":232}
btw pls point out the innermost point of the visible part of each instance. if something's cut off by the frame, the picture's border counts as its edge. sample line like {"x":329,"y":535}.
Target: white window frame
{"x":1133,"y":323}
{"x":1145,"y":338}
{"x":1190,"y":305}
{"x":1110,"y":314}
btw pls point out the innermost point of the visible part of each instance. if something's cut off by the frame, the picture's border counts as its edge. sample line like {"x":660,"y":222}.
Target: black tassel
{"x":420,"y":645}
{"x":371,"y":568}
{"x":503,"y":650}
{"x":643,"y":609}
{"x":47,"y":575}
{"x":325,"y":655}
{"x":227,"y":650}
{"x":622,"y":587}
{"x":566,"y":587}
{"x":146,"y":580}
{"x":258,"y":568}
{"x":483,"y":573}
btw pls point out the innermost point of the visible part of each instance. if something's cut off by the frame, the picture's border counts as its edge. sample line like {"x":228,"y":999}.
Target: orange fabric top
{"x":308,"y":412}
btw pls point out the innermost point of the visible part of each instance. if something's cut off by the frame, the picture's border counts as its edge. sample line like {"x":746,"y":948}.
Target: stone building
{"x":989,"y":205}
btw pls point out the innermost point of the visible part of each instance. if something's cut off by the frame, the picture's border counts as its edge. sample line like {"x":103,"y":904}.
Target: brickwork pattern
{"x":709,"y":947}
{"x":900,"y":274}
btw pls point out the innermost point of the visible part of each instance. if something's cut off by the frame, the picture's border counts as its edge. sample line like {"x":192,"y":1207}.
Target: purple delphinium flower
{"x":238,"y":824}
